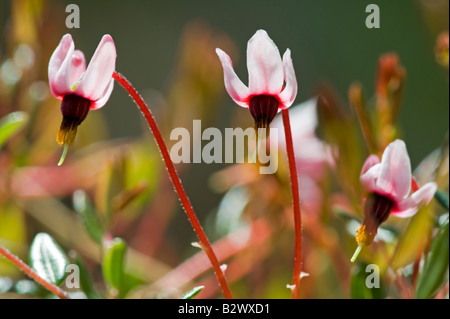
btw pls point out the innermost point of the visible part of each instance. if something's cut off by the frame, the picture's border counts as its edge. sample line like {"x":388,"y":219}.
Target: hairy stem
{"x":296,"y":205}
{"x":205,"y":244}
{"x":32,"y":274}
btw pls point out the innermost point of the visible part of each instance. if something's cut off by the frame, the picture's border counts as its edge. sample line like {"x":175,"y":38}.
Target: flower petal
{"x":77,"y":68}
{"x":102,"y":101}
{"x":372,"y":160}
{"x":99,"y":72}
{"x":395,"y":174}
{"x":59,"y":67}
{"x":369,"y":179}
{"x":265,"y":69}
{"x":287,"y":96}
{"x":411,"y":205}
{"x":234,"y":86}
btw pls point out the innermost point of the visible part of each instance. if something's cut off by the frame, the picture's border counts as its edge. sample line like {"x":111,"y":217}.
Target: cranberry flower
{"x":389,"y":184}
{"x":81,"y":89}
{"x":272,"y":85}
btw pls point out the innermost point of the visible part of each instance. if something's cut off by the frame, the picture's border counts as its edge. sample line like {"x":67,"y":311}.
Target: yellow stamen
{"x":66,"y":134}
{"x":364,"y":235}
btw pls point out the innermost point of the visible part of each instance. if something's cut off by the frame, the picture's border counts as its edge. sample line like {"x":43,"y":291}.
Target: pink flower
{"x":392,"y":178}
{"x":389,"y":184}
{"x":266,"y":93}
{"x":81,"y":89}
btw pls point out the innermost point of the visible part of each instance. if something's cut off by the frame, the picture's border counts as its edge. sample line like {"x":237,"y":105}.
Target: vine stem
{"x":296,"y":277}
{"x":204,"y":242}
{"x":31,"y":273}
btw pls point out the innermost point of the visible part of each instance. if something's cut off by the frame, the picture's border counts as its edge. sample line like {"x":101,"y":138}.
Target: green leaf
{"x":192,"y":293}
{"x":414,"y":238}
{"x":11,"y":124}
{"x":89,"y":216}
{"x":359,"y":287}
{"x":442,"y":198}
{"x":85,"y":278}
{"x":48,"y":259}
{"x":434,"y":272}
{"x":113,"y":263}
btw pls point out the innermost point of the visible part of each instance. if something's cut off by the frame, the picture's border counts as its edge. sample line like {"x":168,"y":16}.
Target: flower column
{"x":81,"y":89}
{"x":389,"y":184}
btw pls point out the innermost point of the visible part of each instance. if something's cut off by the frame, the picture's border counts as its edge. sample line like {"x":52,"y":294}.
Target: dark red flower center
{"x":263,"y":108}
{"x":376,"y":212}
{"x":377,"y":208}
{"x":74,"y":110}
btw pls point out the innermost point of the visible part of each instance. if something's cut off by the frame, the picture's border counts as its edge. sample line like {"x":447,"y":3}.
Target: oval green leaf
{"x":434,"y":272}
{"x":113,"y":263}
{"x":48,"y":259}
{"x":362,"y":276}
{"x":442,"y":198}
{"x":11,"y":124}
{"x":91,"y":220}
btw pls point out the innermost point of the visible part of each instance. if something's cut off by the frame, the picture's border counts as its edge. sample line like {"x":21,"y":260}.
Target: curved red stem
{"x":176,"y":182}
{"x":296,"y":204}
{"x":32,"y":274}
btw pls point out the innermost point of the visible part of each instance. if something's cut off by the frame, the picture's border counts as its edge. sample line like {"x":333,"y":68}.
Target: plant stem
{"x":205,"y":244}
{"x":296,"y":205}
{"x":31,"y":273}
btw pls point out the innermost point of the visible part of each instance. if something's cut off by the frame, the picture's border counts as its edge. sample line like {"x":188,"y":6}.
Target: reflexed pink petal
{"x":372,"y":160}
{"x":265,"y":69}
{"x":59,"y":67}
{"x":77,"y":68}
{"x":395,"y":174}
{"x":99,"y":72}
{"x":287,"y":96}
{"x":102,"y":101}
{"x":234,"y":86}
{"x":369,"y":180}
{"x":410,"y":206}
{"x":408,"y":210}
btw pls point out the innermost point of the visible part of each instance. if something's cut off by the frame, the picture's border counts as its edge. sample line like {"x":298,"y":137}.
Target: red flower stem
{"x":31,"y":273}
{"x":204,"y":242}
{"x":296,"y":204}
